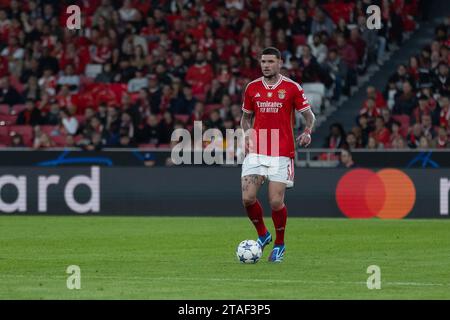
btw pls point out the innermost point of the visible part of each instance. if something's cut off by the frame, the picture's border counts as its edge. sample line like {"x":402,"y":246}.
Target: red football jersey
{"x":274,"y":110}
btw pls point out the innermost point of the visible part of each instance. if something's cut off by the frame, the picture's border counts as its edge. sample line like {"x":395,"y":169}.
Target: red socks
{"x":279,"y":218}
{"x":255,"y":213}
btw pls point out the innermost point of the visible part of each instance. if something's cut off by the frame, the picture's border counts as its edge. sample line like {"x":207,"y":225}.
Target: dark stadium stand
{"x":149,"y":58}
{"x":411,"y":96}
{"x":175,"y":61}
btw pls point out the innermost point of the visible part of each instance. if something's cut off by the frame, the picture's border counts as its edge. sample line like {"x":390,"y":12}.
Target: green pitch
{"x":193,"y":258}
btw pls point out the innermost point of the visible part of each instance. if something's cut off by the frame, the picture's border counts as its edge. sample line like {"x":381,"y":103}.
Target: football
{"x":248,"y":251}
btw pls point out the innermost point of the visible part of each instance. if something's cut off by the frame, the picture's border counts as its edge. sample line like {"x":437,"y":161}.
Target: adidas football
{"x":248,"y":251}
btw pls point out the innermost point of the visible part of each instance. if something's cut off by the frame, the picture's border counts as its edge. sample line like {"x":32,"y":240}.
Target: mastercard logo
{"x":386,"y":194}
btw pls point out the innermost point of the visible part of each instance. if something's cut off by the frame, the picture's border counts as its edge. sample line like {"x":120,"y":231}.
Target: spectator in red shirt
{"x":200,"y":74}
{"x":413,"y":68}
{"x":370,"y":110}
{"x":101,"y":53}
{"x":444,"y":117}
{"x":347,"y":52}
{"x":358,"y":43}
{"x":377,"y":96}
{"x":381,"y":133}
{"x":442,"y":140}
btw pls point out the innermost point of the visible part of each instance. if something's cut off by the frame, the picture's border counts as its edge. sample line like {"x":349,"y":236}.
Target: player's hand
{"x":305,"y":138}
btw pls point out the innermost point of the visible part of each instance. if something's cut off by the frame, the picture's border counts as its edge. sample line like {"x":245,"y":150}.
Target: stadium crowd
{"x":413,"y":110}
{"x":136,"y":70}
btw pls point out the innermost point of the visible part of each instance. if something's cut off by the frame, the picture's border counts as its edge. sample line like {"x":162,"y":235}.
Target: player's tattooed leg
{"x":250,"y":188}
{"x":251,"y":181}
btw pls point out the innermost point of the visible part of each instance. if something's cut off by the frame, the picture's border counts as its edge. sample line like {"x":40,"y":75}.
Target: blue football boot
{"x":264,"y":240}
{"x":277,"y":253}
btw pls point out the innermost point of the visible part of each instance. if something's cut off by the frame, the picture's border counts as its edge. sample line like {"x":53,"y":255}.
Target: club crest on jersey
{"x":281,"y":94}
{"x":269,"y":94}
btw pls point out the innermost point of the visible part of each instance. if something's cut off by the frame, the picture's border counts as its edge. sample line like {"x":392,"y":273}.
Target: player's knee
{"x":276,"y":204}
{"x":248,"y":200}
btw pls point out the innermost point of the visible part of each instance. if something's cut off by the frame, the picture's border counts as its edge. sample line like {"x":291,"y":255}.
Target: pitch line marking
{"x":391,"y":283}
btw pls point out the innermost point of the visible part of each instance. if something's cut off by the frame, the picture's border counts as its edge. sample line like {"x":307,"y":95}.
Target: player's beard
{"x":270,"y":77}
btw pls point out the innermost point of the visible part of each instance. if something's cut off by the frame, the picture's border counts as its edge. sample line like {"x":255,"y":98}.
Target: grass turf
{"x":193,"y":258}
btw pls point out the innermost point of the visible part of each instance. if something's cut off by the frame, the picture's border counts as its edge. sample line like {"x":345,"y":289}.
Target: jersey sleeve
{"x":301,"y":103}
{"x":247,"y":103}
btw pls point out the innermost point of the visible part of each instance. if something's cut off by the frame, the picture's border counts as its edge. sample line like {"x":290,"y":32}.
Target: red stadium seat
{"x":4,"y":109}
{"x":17,"y":108}
{"x":49,"y":130}
{"x":25,"y":131}
{"x":8,"y":120}
{"x":60,"y":141}
{"x":146,"y":145}
{"x":211,"y":107}
{"x":4,"y":134}
{"x":184,"y":118}
{"x":299,"y":40}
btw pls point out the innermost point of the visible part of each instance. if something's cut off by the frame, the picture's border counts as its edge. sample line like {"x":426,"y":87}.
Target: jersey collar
{"x":272,"y":87}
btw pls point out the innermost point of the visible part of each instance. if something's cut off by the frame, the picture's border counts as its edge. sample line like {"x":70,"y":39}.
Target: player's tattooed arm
{"x":246,"y":121}
{"x":310,"y":119}
{"x":304,"y":139}
{"x":246,"y":125}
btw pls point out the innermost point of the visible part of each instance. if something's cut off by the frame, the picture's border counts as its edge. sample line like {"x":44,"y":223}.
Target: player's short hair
{"x":271,"y":51}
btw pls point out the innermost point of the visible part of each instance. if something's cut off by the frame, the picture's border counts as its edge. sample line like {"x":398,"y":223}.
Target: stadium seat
{"x":49,"y":130}
{"x":314,"y":87}
{"x":4,"y":134}
{"x":60,"y":141}
{"x":315,"y":100}
{"x":17,"y":108}
{"x":211,"y":107}
{"x":8,"y":119}
{"x":25,"y":131}
{"x":4,"y":109}
{"x":184,"y":118}
{"x":299,"y":40}
{"x":315,"y":93}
